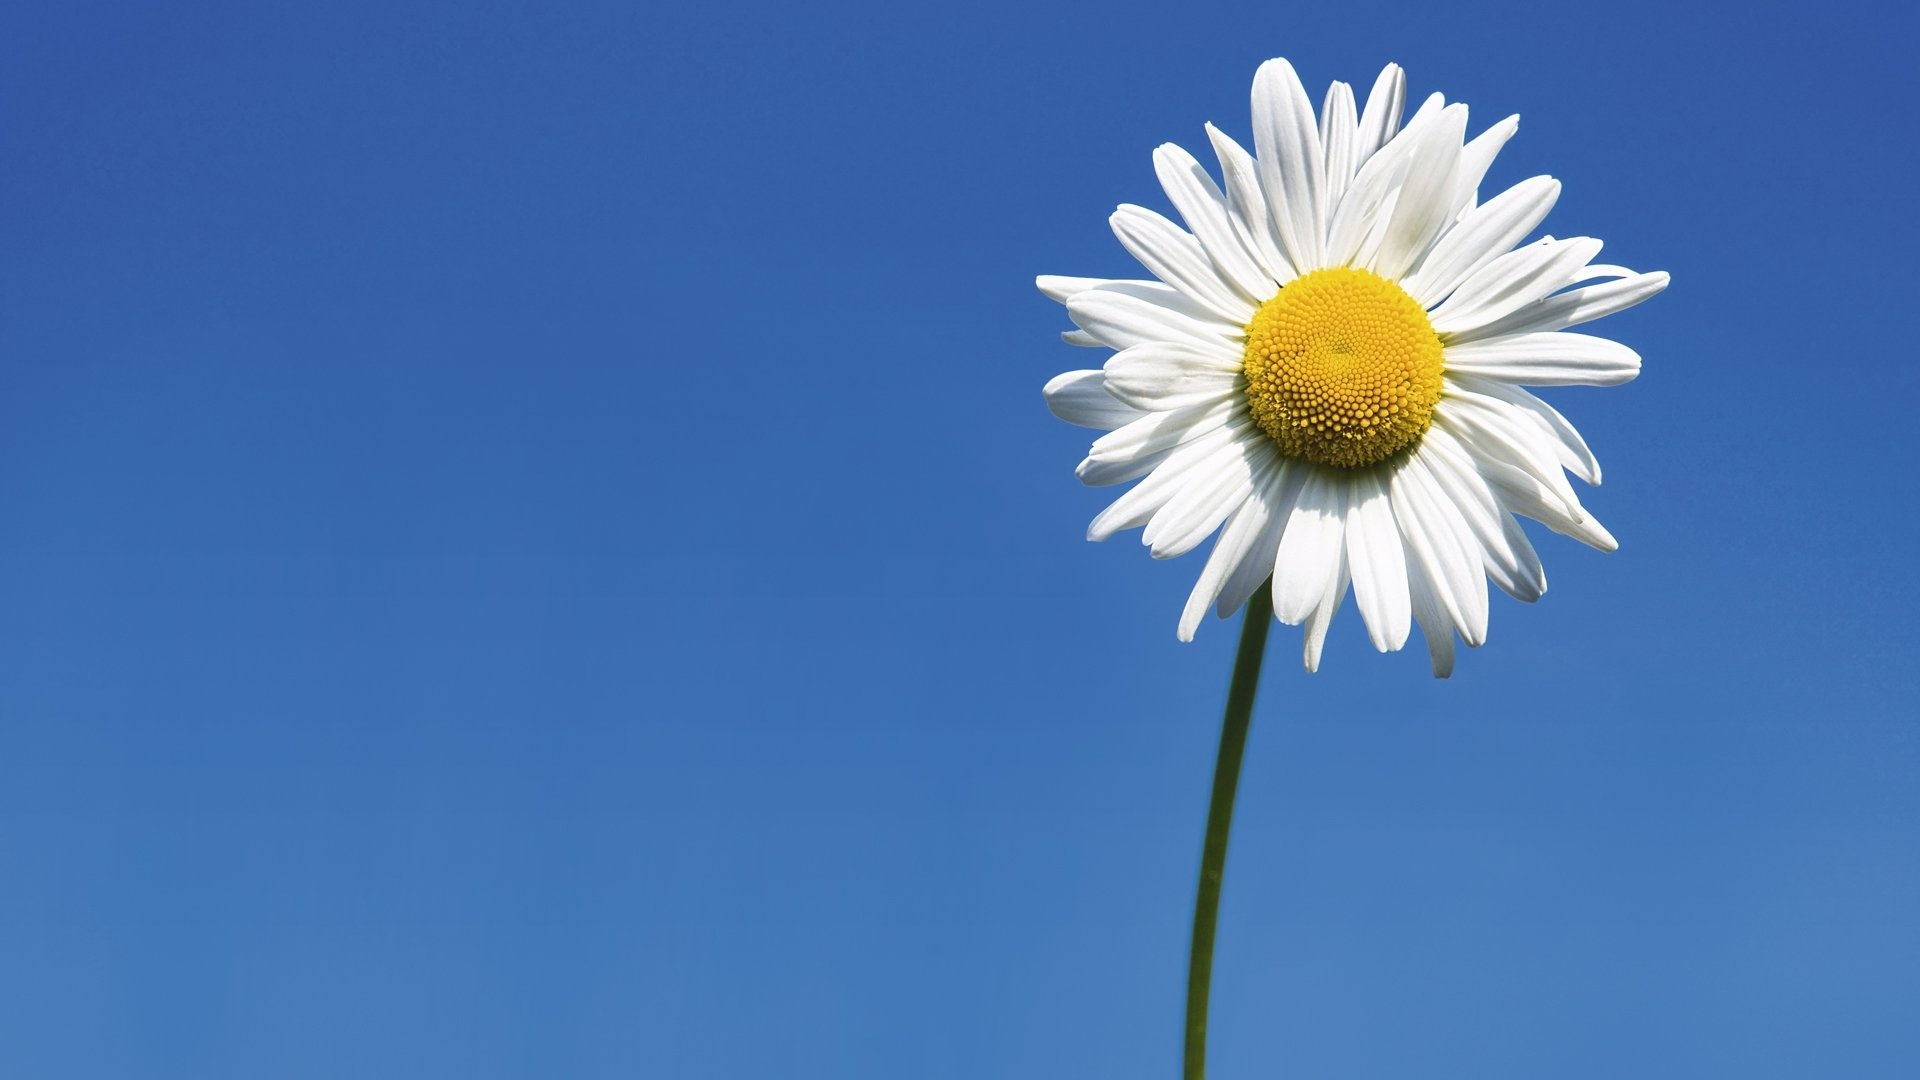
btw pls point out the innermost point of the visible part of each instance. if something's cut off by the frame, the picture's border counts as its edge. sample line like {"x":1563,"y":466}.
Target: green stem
{"x":1213,"y":857}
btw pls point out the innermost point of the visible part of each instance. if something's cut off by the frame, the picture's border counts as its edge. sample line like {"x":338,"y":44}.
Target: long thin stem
{"x":1213,"y":857}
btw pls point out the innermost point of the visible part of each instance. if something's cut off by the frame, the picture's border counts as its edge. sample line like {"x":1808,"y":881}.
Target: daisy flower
{"x":1329,"y":367}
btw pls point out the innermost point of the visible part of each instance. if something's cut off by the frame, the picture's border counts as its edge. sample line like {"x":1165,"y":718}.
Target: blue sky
{"x":530,"y":546}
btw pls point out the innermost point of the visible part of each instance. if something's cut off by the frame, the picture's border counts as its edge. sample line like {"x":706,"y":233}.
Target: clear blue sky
{"x":530,"y":546}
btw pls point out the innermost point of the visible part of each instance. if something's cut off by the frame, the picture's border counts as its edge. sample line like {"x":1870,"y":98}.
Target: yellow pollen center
{"x":1342,"y":368}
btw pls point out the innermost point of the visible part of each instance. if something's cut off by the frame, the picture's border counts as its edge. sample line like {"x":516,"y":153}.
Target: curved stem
{"x":1213,"y":857}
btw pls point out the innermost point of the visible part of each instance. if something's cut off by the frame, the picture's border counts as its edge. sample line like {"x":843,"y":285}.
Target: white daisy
{"x":1329,"y":369}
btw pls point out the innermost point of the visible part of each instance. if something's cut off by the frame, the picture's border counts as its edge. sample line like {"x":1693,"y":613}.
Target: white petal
{"x":1435,"y":625}
{"x":1510,"y":282}
{"x":1574,"y":454}
{"x":1425,"y":203}
{"x":1082,"y":339}
{"x":1204,"y":208}
{"x":1118,"y":471}
{"x":1322,"y":615}
{"x":1144,"y":288}
{"x":1160,"y":294}
{"x":1600,"y":272}
{"x":1381,"y":119}
{"x":1289,"y":158}
{"x":1362,"y":217}
{"x":1242,"y":546}
{"x":1483,"y":234}
{"x":1312,"y":548}
{"x":1444,"y":548}
{"x":1367,"y":208}
{"x":1279,"y":494}
{"x":1378,"y":562}
{"x":1508,"y":556}
{"x":1247,"y":205}
{"x":1339,"y":136}
{"x":1081,"y":398}
{"x":1576,"y":306}
{"x":1549,"y":359}
{"x":1428,"y":110}
{"x":1477,"y":157}
{"x":1060,"y":287}
{"x":1209,"y":493}
{"x":1159,"y":376}
{"x":1130,"y":451}
{"x":1516,"y":486}
{"x":1064,"y":289}
{"x":1140,"y":503}
{"x":1498,"y":432}
{"x":1176,"y":258}
{"x":1520,"y":493}
{"x":1121,"y":321}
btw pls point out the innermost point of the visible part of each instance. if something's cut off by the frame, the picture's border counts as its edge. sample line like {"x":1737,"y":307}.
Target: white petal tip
{"x":1386,"y":644}
{"x":1054,"y":287}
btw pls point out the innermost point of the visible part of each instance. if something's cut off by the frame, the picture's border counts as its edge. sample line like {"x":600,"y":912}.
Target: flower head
{"x":1329,"y":368}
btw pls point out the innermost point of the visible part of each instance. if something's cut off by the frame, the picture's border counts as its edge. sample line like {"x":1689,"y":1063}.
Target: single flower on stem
{"x":1328,"y":369}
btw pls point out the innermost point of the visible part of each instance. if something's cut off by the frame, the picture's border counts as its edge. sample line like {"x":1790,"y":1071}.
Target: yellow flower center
{"x":1342,"y":368}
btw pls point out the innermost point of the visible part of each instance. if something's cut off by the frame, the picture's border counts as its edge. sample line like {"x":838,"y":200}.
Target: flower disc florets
{"x":1342,"y":368}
